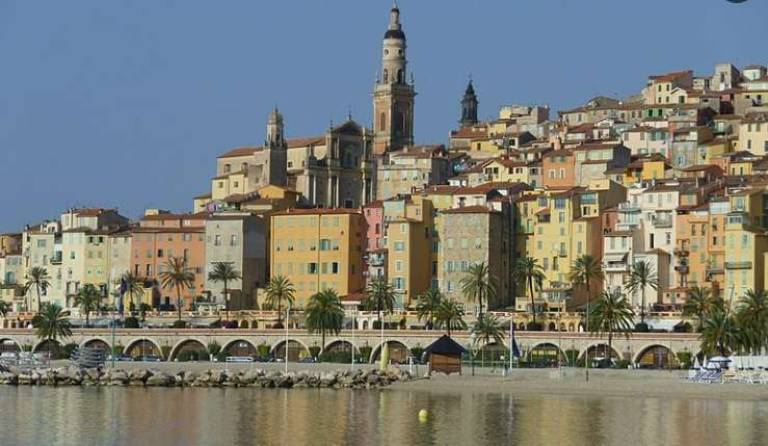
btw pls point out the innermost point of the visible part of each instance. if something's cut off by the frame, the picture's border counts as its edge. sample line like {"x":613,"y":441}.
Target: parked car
{"x":120,"y":357}
{"x":150,"y":358}
{"x":308,"y":360}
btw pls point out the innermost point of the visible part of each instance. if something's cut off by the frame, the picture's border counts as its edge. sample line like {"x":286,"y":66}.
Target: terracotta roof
{"x":240,"y":151}
{"x":89,"y":212}
{"x":316,"y":211}
{"x":669,"y":77}
{"x":489,"y":187}
{"x":755,"y":118}
{"x":441,"y":189}
{"x":597,"y":146}
{"x":169,"y":216}
{"x":304,"y":142}
{"x":470,"y":132}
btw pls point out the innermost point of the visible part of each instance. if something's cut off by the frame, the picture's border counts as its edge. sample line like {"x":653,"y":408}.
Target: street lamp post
{"x":287,"y":320}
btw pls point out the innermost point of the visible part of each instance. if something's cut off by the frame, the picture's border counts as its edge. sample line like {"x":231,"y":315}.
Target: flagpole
{"x":511,"y":342}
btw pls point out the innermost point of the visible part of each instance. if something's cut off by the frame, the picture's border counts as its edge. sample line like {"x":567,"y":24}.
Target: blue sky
{"x":127,"y":104}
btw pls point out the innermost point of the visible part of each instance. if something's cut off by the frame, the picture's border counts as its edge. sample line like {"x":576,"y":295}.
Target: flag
{"x":514,"y":350}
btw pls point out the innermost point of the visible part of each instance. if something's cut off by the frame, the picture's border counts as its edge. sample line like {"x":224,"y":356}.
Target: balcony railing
{"x":616,"y":267}
{"x":662,"y":223}
{"x":738,"y":265}
{"x":629,"y":207}
{"x":682,"y":269}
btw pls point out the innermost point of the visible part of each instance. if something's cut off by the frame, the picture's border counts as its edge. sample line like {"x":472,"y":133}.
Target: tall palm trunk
{"x":642,"y":305}
{"x":178,"y":300}
{"x":226,"y":294}
{"x":39,"y":305}
{"x":533,"y":302}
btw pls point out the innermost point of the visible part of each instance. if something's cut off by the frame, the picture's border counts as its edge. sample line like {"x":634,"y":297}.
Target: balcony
{"x":629,"y":207}
{"x":616,"y":267}
{"x":663,"y":222}
{"x":714,"y":269}
{"x":738,"y":265}
{"x":682,"y":268}
{"x":376,"y":260}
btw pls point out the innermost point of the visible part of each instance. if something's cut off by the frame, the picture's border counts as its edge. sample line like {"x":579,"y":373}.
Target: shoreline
{"x":564,"y":382}
{"x":602,"y":383}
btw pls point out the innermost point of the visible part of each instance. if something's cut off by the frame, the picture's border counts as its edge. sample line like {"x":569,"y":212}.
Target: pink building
{"x":375,"y":251}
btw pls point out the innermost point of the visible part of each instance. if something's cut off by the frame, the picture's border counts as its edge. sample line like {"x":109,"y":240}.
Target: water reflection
{"x":311,"y":416}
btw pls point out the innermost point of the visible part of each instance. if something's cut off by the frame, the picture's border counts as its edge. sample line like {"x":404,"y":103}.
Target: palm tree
{"x":176,"y":275}
{"x":324,"y":314}
{"x":487,"y":328}
{"x":528,"y":271}
{"x":88,"y":299}
{"x":478,"y":284}
{"x":37,"y":277}
{"x":641,"y":277}
{"x":611,"y":314}
{"x":752,"y":319}
{"x":699,"y":304}
{"x":132,"y":285}
{"x":379,"y":297}
{"x":586,"y":269}
{"x":428,"y":304}
{"x":224,"y":272}
{"x":449,"y":315}
{"x":719,"y":333}
{"x":279,"y":289}
{"x":52,"y":323}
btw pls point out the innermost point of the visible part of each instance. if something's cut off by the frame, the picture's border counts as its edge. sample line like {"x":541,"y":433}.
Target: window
{"x":159,"y":253}
{"x":398,"y":283}
{"x":217,"y":240}
{"x":399,"y":266}
{"x":233,"y":240}
{"x":41,"y":243}
{"x":399,"y":246}
{"x":312,"y":268}
{"x":335,"y":268}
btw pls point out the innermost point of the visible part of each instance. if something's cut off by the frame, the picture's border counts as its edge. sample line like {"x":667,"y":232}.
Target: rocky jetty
{"x":73,"y":376}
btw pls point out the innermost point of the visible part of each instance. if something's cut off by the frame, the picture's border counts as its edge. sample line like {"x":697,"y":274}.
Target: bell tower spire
{"x":469,"y":105}
{"x":393,"y":95}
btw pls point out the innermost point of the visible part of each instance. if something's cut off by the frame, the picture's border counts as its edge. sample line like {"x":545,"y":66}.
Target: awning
{"x":615,"y":257}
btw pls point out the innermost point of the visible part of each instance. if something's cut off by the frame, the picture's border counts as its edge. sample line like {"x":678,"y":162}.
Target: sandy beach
{"x":533,"y":382}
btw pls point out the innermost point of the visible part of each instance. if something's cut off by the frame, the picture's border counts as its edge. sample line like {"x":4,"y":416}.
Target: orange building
{"x":159,"y":237}
{"x":559,"y":170}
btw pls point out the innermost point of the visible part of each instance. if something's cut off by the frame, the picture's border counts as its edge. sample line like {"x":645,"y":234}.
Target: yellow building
{"x":556,"y":228}
{"x":753,"y":133}
{"x":652,"y":167}
{"x":409,"y":234}
{"x":746,"y":243}
{"x":318,"y":249}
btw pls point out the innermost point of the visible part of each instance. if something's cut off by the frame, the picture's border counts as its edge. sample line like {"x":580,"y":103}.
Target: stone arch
{"x":47,"y":345}
{"x":521,"y":326}
{"x":398,"y":352}
{"x":571,"y":327}
{"x":97,"y":344}
{"x":562,"y":326}
{"x":365,"y":325}
{"x":597,"y":349}
{"x":8,"y":345}
{"x":340,"y":345}
{"x":545,"y":352}
{"x":655,"y":356}
{"x":552,"y":327}
{"x":296,"y":350}
{"x":191,"y":349}
{"x":143,"y":347}
{"x":243,"y":324}
{"x":240,"y":347}
{"x":493,"y":351}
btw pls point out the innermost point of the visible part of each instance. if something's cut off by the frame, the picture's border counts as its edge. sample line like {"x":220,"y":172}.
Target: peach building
{"x":160,"y":236}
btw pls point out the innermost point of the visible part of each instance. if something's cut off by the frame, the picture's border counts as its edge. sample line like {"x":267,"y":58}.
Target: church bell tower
{"x":393,"y":95}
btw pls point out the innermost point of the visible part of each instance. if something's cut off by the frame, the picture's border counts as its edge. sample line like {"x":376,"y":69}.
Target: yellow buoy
{"x":423,"y":415}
